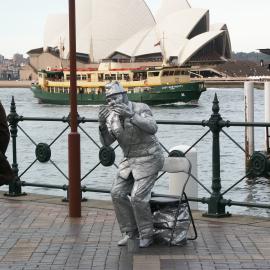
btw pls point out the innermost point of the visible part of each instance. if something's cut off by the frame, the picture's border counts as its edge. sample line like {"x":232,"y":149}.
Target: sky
{"x":22,"y":22}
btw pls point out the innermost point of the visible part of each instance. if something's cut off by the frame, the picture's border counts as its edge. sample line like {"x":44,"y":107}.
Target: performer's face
{"x":114,"y":99}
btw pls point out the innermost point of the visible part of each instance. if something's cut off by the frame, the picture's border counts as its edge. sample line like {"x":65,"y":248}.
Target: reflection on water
{"x":232,"y":158}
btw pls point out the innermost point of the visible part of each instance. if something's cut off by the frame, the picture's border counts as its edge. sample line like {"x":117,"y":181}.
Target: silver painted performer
{"x":134,"y":127}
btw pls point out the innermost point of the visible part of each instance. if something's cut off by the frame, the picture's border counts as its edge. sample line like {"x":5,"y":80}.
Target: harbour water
{"x":232,"y":158}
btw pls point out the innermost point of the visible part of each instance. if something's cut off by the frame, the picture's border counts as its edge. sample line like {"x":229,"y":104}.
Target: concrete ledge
{"x":107,"y":205}
{"x":15,"y":84}
{"x":57,"y":200}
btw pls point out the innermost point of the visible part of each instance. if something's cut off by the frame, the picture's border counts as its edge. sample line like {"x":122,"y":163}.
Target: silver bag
{"x":171,"y":222}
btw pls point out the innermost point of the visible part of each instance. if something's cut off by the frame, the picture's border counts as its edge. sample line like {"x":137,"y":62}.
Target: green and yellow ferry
{"x":151,"y":85}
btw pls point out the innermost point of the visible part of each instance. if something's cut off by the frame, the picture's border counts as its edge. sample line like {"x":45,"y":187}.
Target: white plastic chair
{"x":176,"y":165}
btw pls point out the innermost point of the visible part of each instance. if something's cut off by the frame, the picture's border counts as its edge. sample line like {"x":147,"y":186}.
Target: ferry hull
{"x":165,"y":94}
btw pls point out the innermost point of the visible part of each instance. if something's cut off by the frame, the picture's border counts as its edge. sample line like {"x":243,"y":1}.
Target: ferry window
{"x":113,"y":77}
{"x":177,"y":73}
{"x":153,"y":74}
{"x":100,"y":77}
{"x":119,"y":76}
{"x":138,"y":76}
{"x":68,"y":77}
{"x":107,"y":77}
{"x":78,"y":77}
{"x":40,"y":75}
{"x":126,"y":77}
{"x":171,"y":73}
{"x":83,"y":77}
{"x":65,"y":90}
{"x":165,"y":73}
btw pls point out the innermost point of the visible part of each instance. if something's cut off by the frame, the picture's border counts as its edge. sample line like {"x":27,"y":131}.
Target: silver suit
{"x":143,"y":159}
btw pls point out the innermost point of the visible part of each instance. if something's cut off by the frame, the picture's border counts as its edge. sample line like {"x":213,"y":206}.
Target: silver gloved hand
{"x":123,"y":110}
{"x":103,"y":114}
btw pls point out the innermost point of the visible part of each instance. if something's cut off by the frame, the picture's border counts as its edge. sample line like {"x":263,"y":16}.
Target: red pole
{"x":74,"y":161}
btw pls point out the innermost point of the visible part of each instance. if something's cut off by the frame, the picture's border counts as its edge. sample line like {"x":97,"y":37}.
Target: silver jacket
{"x":142,"y":152}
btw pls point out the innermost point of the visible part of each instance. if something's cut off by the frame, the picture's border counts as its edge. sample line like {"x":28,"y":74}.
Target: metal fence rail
{"x":215,"y":124}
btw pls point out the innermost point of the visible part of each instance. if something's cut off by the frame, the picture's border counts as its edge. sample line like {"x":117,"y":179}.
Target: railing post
{"x":74,"y":155}
{"x":14,"y":188}
{"x":215,"y":208}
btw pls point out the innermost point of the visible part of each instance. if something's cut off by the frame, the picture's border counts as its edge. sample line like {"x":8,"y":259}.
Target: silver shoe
{"x":146,"y":242}
{"x":130,"y":235}
{"x":123,"y":241}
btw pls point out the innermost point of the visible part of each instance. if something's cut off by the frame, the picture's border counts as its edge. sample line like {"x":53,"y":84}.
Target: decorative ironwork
{"x":43,"y":152}
{"x":215,"y":123}
{"x":216,"y":202}
{"x":259,"y":164}
{"x":106,"y":156}
{"x":13,"y":118}
{"x":176,"y":153}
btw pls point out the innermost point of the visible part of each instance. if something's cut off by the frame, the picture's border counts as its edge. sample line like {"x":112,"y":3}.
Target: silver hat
{"x":114,"y":88}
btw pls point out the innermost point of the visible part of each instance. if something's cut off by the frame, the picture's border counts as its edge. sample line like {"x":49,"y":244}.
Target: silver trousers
{"x":133,"y":212}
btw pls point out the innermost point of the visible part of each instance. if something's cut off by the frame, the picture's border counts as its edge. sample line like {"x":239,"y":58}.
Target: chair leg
{"x":192,"y":220}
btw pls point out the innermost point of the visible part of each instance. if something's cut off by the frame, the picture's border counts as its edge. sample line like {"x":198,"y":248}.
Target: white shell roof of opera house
{"x":128,"y":27}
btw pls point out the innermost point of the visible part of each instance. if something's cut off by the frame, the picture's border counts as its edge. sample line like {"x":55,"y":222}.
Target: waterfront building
{"x":18,"y":59}
{"x":262,"y":63}
{"x":1,"y":59}
{"x":127,"y":31}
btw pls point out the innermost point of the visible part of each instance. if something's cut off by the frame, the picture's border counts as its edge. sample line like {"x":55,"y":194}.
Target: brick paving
{"x":36,"y":233}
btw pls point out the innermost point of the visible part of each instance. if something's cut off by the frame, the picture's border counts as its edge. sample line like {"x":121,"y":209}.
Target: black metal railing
{"x":216,"y":203}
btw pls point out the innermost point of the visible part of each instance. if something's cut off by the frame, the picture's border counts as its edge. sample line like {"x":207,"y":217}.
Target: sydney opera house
{"x":127,"y":31}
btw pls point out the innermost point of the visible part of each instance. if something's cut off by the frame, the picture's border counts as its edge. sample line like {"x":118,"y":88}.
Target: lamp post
{"x":74,"y":162}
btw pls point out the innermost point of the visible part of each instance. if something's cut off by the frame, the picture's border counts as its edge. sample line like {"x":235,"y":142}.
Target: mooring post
{"x":249,"y":117}
{"x":215,"y":207}
{"x":74,"y":161}
{"x":267,"y":115}
{"x":14,"y":189}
